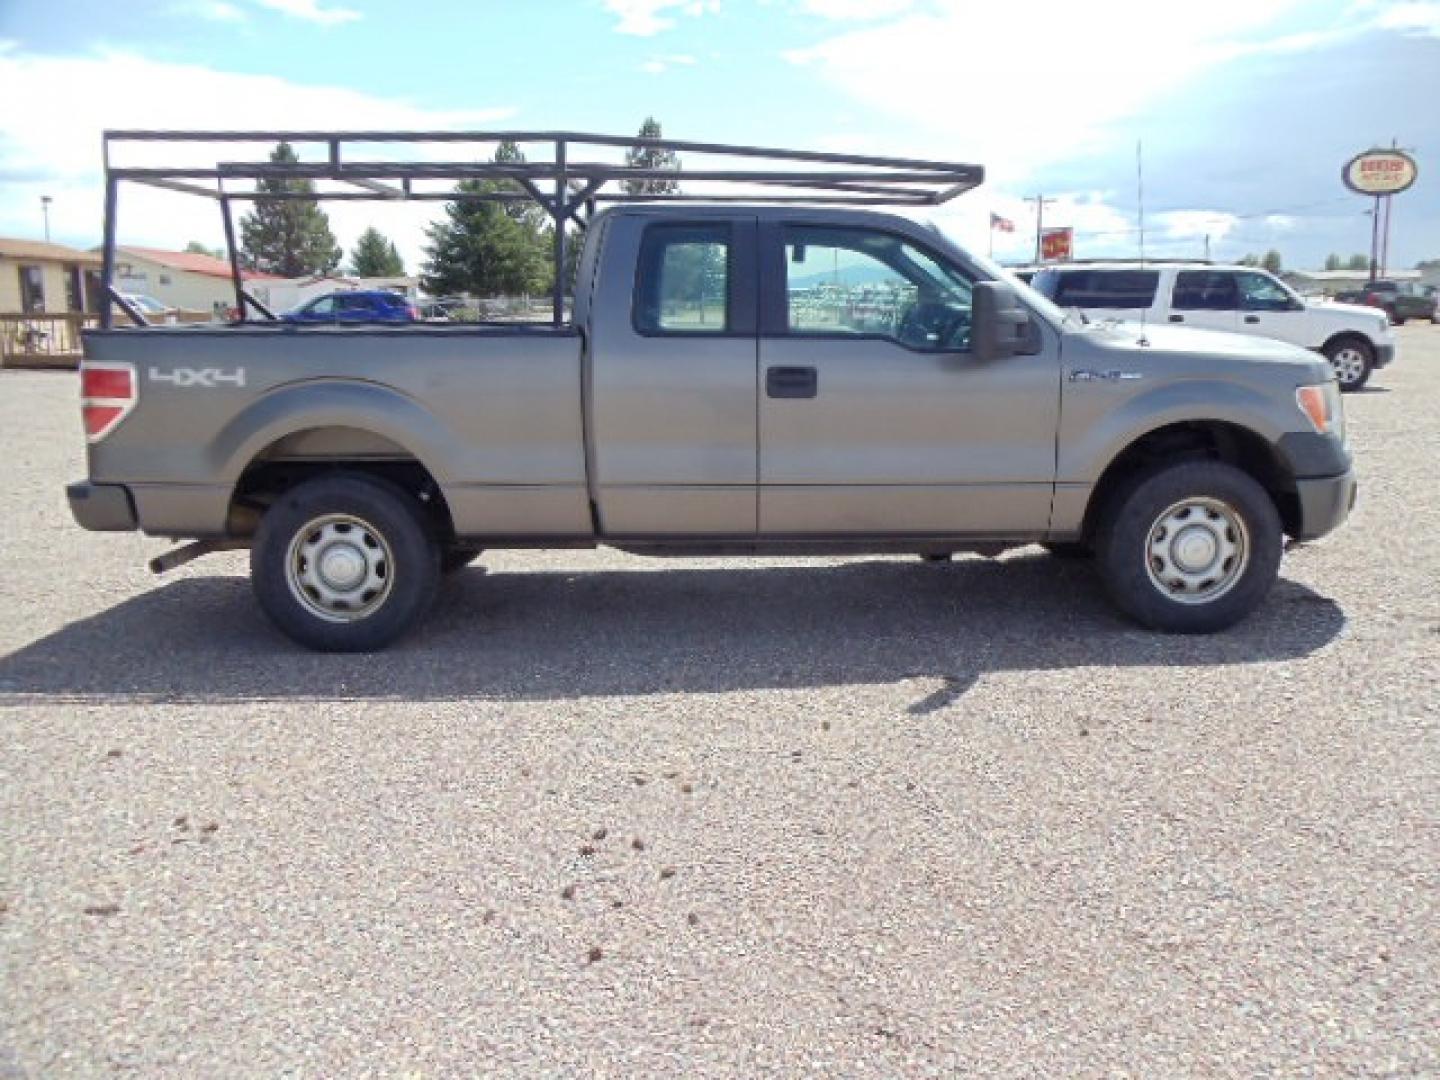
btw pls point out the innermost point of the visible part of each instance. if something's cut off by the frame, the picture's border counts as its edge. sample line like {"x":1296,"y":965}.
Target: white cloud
{"x":1414,"y":16}
{"x":56,"y":150}
{"x":855,"y":9}
{"x":212,"y":10}
{"x":646,"y":18}
{"x":312,"y":11}
{"x":656,"y":65}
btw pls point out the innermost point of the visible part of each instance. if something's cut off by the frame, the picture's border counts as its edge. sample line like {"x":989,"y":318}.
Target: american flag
{"x":1003,"y":224}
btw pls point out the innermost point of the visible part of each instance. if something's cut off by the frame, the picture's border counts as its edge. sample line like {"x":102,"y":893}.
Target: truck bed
{"x":491,"y":412}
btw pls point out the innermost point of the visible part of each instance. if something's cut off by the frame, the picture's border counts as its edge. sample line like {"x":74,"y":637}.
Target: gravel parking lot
{"x":606,"y":815}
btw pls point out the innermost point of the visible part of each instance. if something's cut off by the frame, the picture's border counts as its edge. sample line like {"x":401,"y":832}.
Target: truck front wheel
{"x":1190,"y":548}
{"x":344,"y":563}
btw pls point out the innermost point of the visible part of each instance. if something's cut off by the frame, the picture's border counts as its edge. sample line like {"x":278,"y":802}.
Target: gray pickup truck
{"x":735,"y":379}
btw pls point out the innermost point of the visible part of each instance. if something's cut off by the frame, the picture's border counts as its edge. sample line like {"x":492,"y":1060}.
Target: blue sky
{"x":1246,"y":108}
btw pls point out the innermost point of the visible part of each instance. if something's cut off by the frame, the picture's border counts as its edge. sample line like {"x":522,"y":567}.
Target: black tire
{"x":393,"y":542}
{"x":1398,"y":320}
{"x":1353,"y":359}
{"x":1133,"y":520}
{"x":453,"y":559}
{"x":1069,"y":549}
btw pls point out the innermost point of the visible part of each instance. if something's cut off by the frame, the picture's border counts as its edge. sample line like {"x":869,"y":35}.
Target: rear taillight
{"x":107,"y":394}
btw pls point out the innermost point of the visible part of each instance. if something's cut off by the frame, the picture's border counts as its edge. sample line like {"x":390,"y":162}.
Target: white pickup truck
{"x":1240,"y":299}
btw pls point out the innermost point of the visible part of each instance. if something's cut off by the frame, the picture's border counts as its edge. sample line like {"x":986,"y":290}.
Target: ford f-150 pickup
{"x":776,"y":379}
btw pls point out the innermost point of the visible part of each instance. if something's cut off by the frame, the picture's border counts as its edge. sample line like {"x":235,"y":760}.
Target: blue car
{"x":376,"y":305}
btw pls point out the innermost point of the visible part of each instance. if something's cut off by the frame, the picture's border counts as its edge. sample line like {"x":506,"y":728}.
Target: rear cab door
{"x":1209,"y":299}
{"x":1105,"y":292}
{"x":671,"y":375}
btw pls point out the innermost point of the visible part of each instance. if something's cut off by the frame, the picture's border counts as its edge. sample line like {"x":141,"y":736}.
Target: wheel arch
{"x":1189,"y":440}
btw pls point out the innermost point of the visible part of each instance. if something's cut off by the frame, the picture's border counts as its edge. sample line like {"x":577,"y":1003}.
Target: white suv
{"x":1239,"y":299}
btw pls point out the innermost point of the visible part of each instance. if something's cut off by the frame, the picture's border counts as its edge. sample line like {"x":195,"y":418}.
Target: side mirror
{"x":999,"y":324}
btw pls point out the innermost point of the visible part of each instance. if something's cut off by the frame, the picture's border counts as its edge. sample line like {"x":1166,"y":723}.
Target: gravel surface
{"x":614,"y":816}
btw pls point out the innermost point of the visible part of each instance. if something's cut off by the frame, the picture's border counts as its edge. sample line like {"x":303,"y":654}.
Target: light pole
{"x":45,"y":209}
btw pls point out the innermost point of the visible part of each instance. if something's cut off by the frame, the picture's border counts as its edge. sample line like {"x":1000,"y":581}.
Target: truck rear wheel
{"x":1352,"y":358}
{"x":1190,"y":548}
{"x":344,"y":563}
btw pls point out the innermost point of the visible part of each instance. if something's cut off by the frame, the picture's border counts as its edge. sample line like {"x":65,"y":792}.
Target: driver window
{"x":1261,"y":293}
{"x":858,"y":282}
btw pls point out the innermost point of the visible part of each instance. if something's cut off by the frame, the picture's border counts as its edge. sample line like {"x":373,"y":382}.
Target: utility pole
{"x":1207,"y":247}
{"x":45,"y":209}
{"x":1040,"y":203}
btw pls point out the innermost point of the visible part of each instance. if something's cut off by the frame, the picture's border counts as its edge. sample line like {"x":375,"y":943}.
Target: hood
{"x":1192,"y":339}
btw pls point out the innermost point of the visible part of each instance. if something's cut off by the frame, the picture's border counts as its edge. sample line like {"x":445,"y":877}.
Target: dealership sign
{"x":1057,"y":245}
{"x":1379,"y":172}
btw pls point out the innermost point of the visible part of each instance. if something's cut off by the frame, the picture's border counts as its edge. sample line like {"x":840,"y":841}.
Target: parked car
{"x":372,"y":305}
{"x":918,"y":401}
{"x":151,"y":310}
{"x":1240,"y":299}
{"x":1399,"y":302}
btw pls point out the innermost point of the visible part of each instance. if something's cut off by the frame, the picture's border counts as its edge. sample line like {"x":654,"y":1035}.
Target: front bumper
{"x":102,"y":507}
{"x":1325,"y":503}
{"x":1384,"y":355}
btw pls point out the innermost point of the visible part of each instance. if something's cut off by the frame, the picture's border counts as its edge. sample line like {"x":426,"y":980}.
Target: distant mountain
{"x":869,"y":274}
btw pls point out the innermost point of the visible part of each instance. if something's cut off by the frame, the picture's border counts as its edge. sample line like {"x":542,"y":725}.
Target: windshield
{"x":145,"y":303}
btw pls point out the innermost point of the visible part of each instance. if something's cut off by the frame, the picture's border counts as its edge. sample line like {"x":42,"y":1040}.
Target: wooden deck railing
{"x":42,"y":339}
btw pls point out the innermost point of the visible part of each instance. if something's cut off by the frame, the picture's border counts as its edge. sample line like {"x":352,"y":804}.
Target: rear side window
{"x":1113,"y":289}
{"x":684,"y":280}
{"x":1205,"y":290}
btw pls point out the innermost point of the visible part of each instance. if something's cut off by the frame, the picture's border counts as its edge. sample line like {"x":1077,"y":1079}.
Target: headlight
{"x":1322,"y":407}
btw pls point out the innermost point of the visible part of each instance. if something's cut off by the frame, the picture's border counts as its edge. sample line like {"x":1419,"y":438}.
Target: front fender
{"x":1095,"y":430}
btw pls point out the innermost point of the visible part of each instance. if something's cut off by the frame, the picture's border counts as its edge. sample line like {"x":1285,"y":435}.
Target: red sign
{"x":1057,"y":245}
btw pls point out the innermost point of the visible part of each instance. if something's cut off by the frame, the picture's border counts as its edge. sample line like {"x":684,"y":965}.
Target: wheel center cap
{"x":1195,"y":548}
{"x":342,"y":566}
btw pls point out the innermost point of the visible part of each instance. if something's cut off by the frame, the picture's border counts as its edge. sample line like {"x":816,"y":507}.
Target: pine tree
{"x":640,"y":156}
{"x":1271,"y":261}
{"x":290,"y":237}
{"x":375,"y":256}
{"x":1358,"y":262}
{"x":478,"y":248}
{"x":1332,"y":261}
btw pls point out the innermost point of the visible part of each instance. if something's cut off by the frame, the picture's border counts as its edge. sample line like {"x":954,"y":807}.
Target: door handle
{"x":1177,"y":318}
{"x":791,"y":382}
{"x":1252,"y":318}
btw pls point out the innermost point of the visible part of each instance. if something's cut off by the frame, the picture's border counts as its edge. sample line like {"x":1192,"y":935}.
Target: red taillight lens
{"x":107,"y":394}
{"x":107,"y":383}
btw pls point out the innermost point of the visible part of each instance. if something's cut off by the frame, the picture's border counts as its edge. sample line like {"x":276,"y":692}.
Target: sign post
{"x":1380,"y":174}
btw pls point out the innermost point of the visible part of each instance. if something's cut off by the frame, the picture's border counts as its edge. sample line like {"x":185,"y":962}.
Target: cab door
{"x":1208,"y":299}
{"x":1269,"y":309}
{"x":671,"y":378}
{"x":875,"y":418}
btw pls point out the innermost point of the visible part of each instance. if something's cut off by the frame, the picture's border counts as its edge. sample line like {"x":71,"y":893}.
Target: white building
{"x":182,"y":279}
{"x":1329,"y":282}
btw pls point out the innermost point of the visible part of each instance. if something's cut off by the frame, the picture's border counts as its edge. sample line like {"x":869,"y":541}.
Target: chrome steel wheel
{"x":1197,"y":550}
{"x":1349,"y":364}
{"x":339,"y":567}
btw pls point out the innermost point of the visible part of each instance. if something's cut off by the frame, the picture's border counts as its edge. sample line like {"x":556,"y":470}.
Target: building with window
{"x":41,"y":278}
{"x":187,"y":280}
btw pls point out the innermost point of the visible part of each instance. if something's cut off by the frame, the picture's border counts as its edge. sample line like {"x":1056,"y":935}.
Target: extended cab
{"x":777,"y":379}
{"x":1239,"y":299}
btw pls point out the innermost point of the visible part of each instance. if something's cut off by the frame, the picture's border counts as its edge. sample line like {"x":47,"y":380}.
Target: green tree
{"x":290,"y":237}
{"x":195,"y":247}
{"x":375,"y":256}
{"x":1250,"y":260}
{"x":1358,"y":262}
{"x":641,"y":156}
{"x":485,"y":248}
{"x":1271,"y":261}
{"x":1332,"y":262}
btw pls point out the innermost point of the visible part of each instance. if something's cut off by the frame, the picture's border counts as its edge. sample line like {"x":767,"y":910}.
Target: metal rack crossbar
{"x":568,"y":188}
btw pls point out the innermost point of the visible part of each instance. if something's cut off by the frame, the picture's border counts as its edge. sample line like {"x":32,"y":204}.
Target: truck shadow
{"x":550,"y":635}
